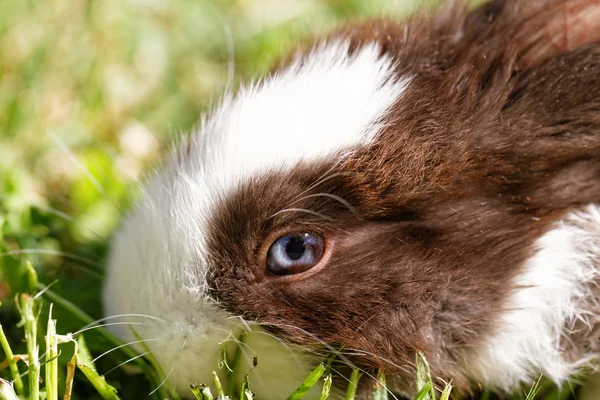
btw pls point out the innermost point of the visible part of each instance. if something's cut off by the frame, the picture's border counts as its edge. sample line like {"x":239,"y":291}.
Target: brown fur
{"x":497,"y":136}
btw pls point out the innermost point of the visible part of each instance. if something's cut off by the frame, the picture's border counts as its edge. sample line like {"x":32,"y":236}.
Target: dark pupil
{"x":295,"y":248}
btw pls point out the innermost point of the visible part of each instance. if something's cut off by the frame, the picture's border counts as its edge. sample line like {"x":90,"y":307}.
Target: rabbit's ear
{"x":557,"y":27}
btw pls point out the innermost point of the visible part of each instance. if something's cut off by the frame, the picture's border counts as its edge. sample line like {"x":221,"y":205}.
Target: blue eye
{"x":294,"y":253}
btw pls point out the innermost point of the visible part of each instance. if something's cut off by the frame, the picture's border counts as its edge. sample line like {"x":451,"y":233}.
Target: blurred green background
{"x":91,"y":93}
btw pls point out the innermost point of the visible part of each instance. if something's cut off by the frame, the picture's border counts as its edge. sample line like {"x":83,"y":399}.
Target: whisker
{"x":96,"y":322}
{"x":279,"y":340}
{"x":238,"y":342}
{"x":341,"y":375}
{"x":334,"y":351}
{"x":105,"y":325}
{"x":287,"y":346}
{"x":124,"y":345}
{"x":248,"y":355}
{"x":317,"y":339}
{"x":334,"y":197}
{"x":230,"y":337}
{"x":323,"y":176}
{"x":44,"y":290}
{"x":390,"y":362}
{"x":163,"y":382}
{"x":125,"y":362}
{"x":317,"y":181}
{"x":302,"y":210}
{"x":378,"y":382}
{"x":323,"y":180}
{"x":62,"y":146}
{"x":346,"y":361}
{"x":241,"y":321}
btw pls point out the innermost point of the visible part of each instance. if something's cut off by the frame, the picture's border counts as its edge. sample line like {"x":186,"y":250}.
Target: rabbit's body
{"x":442,"y":174}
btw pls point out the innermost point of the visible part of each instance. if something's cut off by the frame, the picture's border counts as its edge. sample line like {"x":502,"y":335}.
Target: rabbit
{"x":430,"y":185}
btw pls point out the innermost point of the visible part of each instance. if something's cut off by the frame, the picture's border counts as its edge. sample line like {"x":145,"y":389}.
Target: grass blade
{"x":84,"y":363}
{"x":245,"y":392}
{"x":535,"y":389}
{"x":218,"y":385}
{"x":486,"y":395}
{"x":10,"y":357}
{"x":424,"y":393}
{"x":244,"y":388}
{"x":51,"y":366}
{"x":424,"y":377}
{"x":308,"y":383}
{"x":30,"y":322}
{"x":105,"y":391}
{"x":32,"y":278}
{"x":70,"y":375}
{"x":201,"y":392}
{"x":159,"y":376}
{"x":564,"y":393}
{"x":112,"y":339}
{"x":234,"y":364}
{"x":353,"y":385}
{"x":380,"y":391}
{"x":86,"y":319}
{"x":446,"y":392}
{"x":196,"y":390}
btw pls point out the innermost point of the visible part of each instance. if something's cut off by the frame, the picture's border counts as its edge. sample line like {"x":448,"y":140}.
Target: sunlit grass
{"x":81,"y":359}
{"x":32,"y":363}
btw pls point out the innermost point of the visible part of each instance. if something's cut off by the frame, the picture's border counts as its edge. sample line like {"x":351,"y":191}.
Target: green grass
{"x":80,"y":358}
{"x":91,"y":93}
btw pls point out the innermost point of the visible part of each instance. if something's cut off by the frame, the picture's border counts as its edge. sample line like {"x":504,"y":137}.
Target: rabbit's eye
{"x":295,"y":253}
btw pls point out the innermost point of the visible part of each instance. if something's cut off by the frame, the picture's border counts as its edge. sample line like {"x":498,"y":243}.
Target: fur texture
{"x":158,"y":265}
{"x":551,"y":319}
{"x":436,"y":157}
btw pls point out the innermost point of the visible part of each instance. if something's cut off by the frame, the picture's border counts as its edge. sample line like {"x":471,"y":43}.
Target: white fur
{"x":322,"y":106}
{"x":552,"y":293}
{"x":319,"y":106}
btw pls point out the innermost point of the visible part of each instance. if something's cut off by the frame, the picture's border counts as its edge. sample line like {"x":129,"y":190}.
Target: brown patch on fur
{"x":559,"y":28}
{"x":494,"y":140}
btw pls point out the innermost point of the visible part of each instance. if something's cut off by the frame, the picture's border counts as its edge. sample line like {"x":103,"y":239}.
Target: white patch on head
{"x":320,"y":107}
{"x":554,"y":291}
{"x":322,"y":104}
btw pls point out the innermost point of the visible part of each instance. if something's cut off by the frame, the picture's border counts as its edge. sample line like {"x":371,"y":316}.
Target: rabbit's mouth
{"x":190,"y":347}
